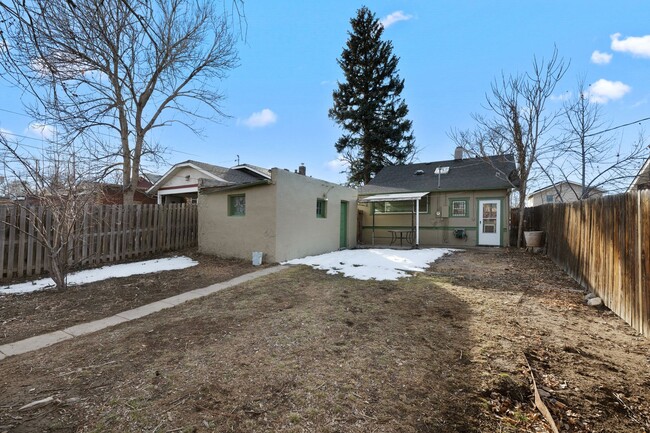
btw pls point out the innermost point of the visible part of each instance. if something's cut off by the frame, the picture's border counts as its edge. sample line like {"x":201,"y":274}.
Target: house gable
{"x":184,"y":175}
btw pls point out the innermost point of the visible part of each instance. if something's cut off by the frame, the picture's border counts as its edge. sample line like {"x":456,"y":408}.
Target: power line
{"x":617,"y":127}
{"x":14,"y":112}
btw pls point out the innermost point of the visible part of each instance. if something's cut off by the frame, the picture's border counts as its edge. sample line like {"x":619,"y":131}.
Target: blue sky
{"x":449,"y":51}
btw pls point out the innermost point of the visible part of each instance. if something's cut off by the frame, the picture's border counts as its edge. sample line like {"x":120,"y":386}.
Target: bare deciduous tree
{"x":57,"y":191}
{"x":518,"y":122}
{"x":118,"y":67}
{"x":587,"y":154}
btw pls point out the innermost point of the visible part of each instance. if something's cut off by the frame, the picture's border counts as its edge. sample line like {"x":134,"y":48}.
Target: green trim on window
{"x":237,"y":205}
{"x":321,"y":208}
{"x":459,"y":200}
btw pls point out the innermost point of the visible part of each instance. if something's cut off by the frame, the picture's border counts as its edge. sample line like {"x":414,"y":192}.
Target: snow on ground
{"x":378,"y":264}
{"x":105,"y":272}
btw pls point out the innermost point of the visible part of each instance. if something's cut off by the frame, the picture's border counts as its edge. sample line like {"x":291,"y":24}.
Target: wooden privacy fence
{"x":105,"y":234}
{"x":604,"y":243}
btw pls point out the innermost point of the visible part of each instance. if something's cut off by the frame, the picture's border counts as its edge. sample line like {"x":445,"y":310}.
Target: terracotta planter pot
{"x":534,"y":239}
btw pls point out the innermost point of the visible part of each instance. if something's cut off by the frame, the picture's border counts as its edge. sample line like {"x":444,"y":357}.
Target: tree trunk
{"x":128,"y":195}
{"x":57,"y":271}
{"x":522,"y":213}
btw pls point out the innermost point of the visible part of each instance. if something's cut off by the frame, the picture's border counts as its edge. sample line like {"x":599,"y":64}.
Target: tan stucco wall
{"x":280,"y":219}
{"x":299,"y":232}
{"x":438,"y":229}
{"x":238,"y":236}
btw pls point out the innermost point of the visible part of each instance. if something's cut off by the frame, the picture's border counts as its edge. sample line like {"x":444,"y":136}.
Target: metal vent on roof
{"x":441,"y":170}
{"x":419,"y":172}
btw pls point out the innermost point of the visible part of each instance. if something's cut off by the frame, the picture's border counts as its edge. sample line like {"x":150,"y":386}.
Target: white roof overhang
{"x":402,"y":196}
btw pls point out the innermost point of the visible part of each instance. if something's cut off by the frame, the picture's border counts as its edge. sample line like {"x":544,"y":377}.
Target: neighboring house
{"x":285,"y":216}
{"x":458,"y":202}
{"x":111,"y":193}
{"x":561,"y":192}
{"x":642,"y":179}
{"x":181,"y":182}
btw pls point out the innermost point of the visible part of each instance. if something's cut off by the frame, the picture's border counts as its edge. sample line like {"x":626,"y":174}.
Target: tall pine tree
{"x":368,"y":106}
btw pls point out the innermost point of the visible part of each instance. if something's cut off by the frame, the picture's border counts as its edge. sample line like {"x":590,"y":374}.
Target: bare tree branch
{"x":122,"y":66}
{"x":519,"y":121}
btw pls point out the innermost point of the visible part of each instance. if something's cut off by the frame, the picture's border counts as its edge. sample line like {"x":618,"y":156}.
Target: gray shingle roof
{"x":463,"y":175}
{"x":230,"y":175}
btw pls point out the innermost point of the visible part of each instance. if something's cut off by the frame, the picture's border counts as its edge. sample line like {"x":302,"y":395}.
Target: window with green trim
{"x":406,"y":206}
{"x":458,"y":208}
{"x":321,"y":208}
{"x":237,"y":205}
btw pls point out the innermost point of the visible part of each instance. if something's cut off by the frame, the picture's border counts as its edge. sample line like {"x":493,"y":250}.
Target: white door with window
{"x":489,"y":222}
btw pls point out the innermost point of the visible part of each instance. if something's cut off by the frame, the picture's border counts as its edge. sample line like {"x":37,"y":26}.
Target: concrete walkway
{"x":45,"y":340}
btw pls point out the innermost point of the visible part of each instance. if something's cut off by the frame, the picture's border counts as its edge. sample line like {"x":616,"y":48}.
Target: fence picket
{"x":30,"y":244}
{"x":3,"y":239}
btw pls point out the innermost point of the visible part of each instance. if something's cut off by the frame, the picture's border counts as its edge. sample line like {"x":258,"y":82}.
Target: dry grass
{"x":301,"y":351}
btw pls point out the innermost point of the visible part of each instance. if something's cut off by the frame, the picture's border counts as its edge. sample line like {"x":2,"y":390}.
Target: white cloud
{"x":603,"y":91}
{"x":395,"y":17}
{"x":562,"y":97}
{"x":42,"y":130}
{"x":636,"y":45}
{"x":260,"y":119}
{"x":600,"y":58}
{"x":339,"y":164}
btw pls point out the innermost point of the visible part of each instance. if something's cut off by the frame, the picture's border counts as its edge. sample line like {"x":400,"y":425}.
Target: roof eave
{"x":217,"y":189}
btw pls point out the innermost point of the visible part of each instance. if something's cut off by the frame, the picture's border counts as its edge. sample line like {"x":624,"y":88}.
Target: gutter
{"x":217,"y":189}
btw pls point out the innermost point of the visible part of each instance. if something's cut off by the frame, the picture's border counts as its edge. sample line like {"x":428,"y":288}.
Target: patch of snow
{"x":105,"y":272}
{"x":378,"y":264}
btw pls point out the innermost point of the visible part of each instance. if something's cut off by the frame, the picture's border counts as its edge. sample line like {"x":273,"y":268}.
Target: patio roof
{"x":403,"y":196}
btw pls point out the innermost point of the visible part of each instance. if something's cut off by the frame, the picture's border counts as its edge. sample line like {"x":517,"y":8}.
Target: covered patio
{"x":411,"y":236}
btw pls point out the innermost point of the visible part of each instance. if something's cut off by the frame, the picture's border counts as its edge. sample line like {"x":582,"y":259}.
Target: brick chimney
{"x":458,"y":153}
{"x":302,"y":170}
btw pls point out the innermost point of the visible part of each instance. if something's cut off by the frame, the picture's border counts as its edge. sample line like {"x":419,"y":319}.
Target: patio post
{"x":417,"y":223}
{"x":372,"y":205}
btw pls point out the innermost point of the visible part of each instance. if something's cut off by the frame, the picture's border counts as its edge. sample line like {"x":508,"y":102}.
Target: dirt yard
{"x":302,"y":351}
{"x":23,"y":316}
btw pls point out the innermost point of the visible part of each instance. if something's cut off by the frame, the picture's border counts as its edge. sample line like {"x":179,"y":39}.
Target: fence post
{"x":644,"y":321}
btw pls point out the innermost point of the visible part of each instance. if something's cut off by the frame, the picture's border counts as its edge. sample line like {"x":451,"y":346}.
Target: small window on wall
{"x":237,"y":205}
{"x":550,"y":198}
{"x":321,"y":208}
{"x":458,"y":208}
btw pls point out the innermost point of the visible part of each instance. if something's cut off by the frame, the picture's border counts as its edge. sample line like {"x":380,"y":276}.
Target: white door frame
{"x":489,"y":231}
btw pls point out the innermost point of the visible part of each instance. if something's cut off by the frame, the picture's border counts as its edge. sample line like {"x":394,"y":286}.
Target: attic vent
{"x":419,"y":172}
{"x":441,"y":170}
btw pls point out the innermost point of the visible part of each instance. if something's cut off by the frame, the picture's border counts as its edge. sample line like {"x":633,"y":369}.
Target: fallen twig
{"x":81,"y":369}
{"x":157,"y":427}
{"x":38,"y":403}
{"x":629,"y":410}
{"x":538,"y":400}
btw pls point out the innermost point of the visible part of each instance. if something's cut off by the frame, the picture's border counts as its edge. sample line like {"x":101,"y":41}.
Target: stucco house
{"x":285,"y":216}
{"x":457,"y":202}
{"x":642,"y":179}
{"x":181,"y":183}
{"x":560,"y":192}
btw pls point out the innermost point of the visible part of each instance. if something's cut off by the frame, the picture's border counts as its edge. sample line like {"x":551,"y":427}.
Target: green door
{"x":343,"y":238}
